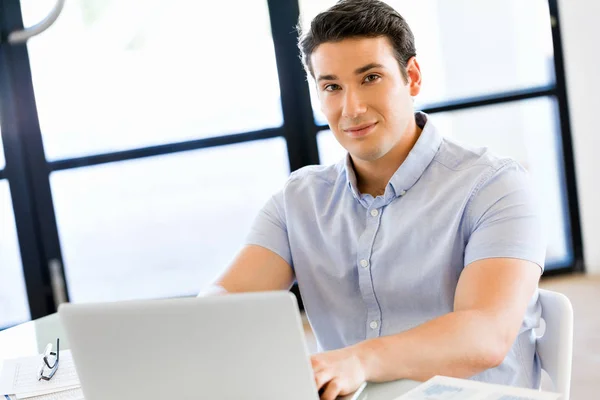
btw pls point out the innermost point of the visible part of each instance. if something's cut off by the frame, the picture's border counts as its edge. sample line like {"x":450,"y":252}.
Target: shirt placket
{"x":363,"y":262}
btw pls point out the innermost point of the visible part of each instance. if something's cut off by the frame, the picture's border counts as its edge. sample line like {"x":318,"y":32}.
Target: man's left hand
{"x":338,"y":372}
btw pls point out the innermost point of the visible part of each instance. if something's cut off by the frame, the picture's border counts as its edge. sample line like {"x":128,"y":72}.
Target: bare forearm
{"x":256,"y":269}
{"x":459,"y":344}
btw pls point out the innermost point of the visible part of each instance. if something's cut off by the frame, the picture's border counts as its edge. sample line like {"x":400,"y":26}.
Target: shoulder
{"x":493,"y":181}
{"x":460,"y":157}
{"x":487,"y":175}
{"x":314,"y":177}
{"x":477,"y":164}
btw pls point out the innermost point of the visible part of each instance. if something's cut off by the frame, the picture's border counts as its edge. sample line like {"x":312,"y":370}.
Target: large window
{"x":141,"y":137}
{"x":119,"y":76}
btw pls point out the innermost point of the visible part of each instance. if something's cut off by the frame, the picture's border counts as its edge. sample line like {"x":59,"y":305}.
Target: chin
{"x":367,"y":155}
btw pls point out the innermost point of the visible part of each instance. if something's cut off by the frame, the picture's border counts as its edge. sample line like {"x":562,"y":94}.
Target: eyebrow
{"x":357,"y":71}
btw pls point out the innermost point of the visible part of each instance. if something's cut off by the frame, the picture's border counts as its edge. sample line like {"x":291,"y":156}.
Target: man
{"x":415,"y":256}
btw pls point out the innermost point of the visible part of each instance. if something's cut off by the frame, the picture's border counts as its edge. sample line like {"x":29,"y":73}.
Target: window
{"x":14,"y":307}
{"x":131,"y":98}
{"x":330,"y":151}
{"x":117,"y":75}
{"x":161,"y":226}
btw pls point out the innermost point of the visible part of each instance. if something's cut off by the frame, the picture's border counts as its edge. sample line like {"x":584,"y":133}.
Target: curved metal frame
{"x":27,"y":33}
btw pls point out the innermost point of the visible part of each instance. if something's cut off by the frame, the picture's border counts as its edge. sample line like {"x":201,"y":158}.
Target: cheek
{"x":394,"y":107}
{"x":330,"y":108}
{"x":327,"y":103}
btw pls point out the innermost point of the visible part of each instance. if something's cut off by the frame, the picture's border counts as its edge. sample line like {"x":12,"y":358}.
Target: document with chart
{"x":445,"y":388}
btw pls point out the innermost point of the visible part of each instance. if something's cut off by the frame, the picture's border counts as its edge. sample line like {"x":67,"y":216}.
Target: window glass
{"x":14,"y":306}
{"x":162,"y":226}
{"x":112,"y":75}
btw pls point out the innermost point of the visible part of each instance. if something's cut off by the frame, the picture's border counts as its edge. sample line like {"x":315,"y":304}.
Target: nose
{"x":353,"y":105}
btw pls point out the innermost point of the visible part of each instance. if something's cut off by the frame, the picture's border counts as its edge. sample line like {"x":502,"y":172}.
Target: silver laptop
{"x":241,"y":346}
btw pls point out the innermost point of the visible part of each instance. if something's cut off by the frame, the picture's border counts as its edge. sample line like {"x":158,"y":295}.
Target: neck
{"x":373,"y":176}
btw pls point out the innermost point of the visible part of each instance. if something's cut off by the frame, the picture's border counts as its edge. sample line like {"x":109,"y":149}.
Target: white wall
{"x":580,"y":31}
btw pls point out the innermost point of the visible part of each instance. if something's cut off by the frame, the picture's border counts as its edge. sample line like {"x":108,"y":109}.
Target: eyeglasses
{"x":50,"y":362}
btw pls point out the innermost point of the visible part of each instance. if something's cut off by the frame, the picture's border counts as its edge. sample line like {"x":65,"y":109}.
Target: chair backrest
{"x":555,"y":347}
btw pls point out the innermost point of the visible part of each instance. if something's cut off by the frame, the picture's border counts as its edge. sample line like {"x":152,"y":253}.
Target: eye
{"x":371,"y":78}
{"x":331,"y":87}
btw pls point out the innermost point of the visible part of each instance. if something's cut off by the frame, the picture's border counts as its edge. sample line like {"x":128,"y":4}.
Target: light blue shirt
{"x":369,"y":267}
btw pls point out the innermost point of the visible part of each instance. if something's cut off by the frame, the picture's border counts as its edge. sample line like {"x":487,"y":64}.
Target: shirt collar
{"x":413,"y":167}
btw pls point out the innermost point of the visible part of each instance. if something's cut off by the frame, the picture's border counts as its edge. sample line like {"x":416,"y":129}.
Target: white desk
{"x":32,"y":337}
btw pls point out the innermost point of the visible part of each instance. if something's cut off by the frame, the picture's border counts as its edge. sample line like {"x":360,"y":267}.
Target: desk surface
{"x":32,"y":337}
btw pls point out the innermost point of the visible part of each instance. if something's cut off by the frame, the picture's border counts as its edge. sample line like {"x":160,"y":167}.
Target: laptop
{"x":238,"y":346}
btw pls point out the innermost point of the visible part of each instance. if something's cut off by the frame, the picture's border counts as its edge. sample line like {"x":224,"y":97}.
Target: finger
{"x":314,"y":361}
{"x":322,"y":377}
{"x":317,"y":363}
{"x":332,"y":390}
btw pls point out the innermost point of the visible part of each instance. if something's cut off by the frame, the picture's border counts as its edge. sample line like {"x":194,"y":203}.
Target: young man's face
{"x":363,"y":94}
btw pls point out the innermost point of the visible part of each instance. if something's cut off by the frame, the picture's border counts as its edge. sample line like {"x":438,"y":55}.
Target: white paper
{"x":19,"y":376}
{"x":70,"y":394}
{"x":67,"y":393}
{"x":445,"y":388}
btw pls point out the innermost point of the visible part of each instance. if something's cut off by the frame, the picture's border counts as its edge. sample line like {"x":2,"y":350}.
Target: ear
{"x":413,"y":70}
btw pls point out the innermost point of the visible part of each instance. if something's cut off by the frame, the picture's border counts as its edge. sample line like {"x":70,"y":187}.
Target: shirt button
{"x":374,"y":212}
{"x":373,"y":324}
{"x":364,"y":263}
{"x":402,"y":192}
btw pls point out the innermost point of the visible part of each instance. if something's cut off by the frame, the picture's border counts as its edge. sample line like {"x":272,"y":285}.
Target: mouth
{"x":360,"y":130}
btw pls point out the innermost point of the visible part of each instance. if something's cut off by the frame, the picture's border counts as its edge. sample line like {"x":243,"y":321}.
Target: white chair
{"x":555,"y":347}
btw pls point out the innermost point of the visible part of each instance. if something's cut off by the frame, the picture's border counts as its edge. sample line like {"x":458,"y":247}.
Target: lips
{"x":360,"y":130}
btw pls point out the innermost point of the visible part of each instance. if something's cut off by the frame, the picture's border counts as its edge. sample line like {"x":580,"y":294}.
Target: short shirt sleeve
{"x":269,"y":229}
{"x":504,"y":219}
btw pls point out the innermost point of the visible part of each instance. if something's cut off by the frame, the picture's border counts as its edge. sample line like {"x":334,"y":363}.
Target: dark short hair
{"x":356,"y":19}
